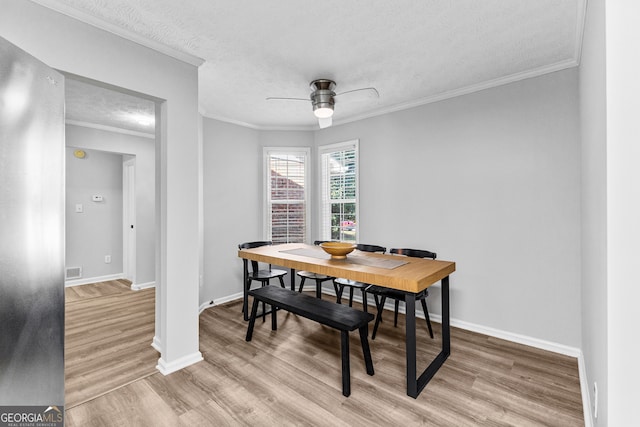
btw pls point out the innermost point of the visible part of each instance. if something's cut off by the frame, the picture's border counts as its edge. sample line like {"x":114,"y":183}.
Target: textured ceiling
{"x":412,"y":51}
{"x":88,"y":104}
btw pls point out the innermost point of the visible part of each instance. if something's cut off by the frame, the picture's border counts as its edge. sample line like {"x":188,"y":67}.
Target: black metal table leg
{"x":410,"y":343}
{"x":293,"y":279}
{"x":245,"y":301}
{"x":415,"y":386}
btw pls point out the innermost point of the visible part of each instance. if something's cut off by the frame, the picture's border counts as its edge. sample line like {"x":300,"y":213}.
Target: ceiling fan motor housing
{"x":322,"y":95}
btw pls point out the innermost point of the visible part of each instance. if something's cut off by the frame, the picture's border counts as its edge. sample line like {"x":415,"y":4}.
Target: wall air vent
{"x":73,"y":273}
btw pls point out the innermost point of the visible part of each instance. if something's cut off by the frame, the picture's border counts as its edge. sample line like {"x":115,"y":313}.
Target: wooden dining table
{"x":407,"y":274}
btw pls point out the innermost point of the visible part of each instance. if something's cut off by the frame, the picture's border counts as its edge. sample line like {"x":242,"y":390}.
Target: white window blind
{"x":286,"y":206}
{"x":339,"y":182}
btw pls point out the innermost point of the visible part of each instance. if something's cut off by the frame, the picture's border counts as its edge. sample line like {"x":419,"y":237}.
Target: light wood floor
{"x":108,"y":333}
{"x":292,"y":377}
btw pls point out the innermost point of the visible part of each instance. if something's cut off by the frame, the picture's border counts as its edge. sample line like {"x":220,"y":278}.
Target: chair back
{"x":371,"y":248}
{"x":251,"y":245}
{"x":415,"y":253}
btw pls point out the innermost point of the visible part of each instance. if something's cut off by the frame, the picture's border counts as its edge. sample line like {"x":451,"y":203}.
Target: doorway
{"x":129,"y":218}
{"x":110,"y":119}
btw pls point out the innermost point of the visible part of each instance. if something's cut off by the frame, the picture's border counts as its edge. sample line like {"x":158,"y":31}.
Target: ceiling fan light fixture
{"x":323,"y":112}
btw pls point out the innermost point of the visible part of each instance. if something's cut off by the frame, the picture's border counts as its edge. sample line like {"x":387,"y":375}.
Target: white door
{"x":129,"y":219}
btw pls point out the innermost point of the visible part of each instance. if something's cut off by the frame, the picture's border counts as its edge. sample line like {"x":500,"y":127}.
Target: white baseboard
{"x":586,"y":395}
{"x":87,"y":280}
{"x":156,"y":344}
{"x":205,"y":305}
{"x":141,"y":286}
{"x":167,"y":368}
{"x":218,"y":301}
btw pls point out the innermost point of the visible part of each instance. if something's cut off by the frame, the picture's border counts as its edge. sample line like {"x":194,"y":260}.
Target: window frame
{"x":267,"y":153}
{"x":324,"y":209}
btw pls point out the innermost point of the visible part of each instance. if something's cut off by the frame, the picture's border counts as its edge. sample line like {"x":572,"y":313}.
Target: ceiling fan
{"x":323,"y":98}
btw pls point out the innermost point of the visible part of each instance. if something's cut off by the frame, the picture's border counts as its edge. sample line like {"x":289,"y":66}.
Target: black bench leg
{"x":274,"y":318}
{"x":364,"y":331}
{"x":346,"y":372}
{"x":252,"y":319}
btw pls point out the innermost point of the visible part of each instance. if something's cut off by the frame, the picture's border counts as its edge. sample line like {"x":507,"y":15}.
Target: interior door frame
{"x":129,"y":218}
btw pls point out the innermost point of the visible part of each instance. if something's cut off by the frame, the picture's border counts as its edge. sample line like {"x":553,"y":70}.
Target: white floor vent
{"x":73,"y":273}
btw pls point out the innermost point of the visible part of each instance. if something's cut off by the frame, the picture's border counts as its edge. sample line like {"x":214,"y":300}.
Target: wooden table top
{"x":414,"y":276}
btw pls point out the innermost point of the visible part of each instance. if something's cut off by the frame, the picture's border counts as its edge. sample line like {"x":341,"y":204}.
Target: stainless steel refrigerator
{"x":31,"y":232}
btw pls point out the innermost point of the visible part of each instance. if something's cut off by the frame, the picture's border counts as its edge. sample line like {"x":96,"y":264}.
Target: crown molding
{"x":110,"y":129}
{"x":489,"y":84}
{"x":256,"y":127}
{"x":537,"y":72}
{"x":121,"y":32}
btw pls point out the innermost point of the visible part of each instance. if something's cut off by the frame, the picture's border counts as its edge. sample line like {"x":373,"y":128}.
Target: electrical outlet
{"x":595,"y":400}
{"x":107,"y":259}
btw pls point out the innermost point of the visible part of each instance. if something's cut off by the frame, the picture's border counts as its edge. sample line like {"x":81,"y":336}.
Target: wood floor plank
{"x":108,"y":333}
{"x":292,"y":376}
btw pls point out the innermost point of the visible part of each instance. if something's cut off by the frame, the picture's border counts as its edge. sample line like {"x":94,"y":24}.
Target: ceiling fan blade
{"x":273,"y":98}
{"x":325,"y":123}
{"x":372,"y":92}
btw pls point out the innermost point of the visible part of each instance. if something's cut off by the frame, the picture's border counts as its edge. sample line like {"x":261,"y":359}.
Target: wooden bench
{"x":341,"y":317}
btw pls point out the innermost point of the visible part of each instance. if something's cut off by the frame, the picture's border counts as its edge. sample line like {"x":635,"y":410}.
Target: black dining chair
{"x":319,"y":278}
{"x":397,"y":295}
{"x":340,"y":283}
{"x":263,"y":276}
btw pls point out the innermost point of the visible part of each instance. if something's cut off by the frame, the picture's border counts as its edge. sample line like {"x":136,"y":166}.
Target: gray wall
{"x":97,"y":231}
{"x":144,"y":151}
{"x":233,"y":211}
{"x":490,"y":180}
{"x":594,"y":204}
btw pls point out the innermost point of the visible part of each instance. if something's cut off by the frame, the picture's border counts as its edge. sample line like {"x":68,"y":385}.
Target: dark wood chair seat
{"x":398,"y":296}
{"x":340,"y":283}
{"x":263,"y":276}
{"x":318,"y":278}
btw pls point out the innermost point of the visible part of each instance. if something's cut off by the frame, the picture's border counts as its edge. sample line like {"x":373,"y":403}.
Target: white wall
{"x":623,"y":211}
{"x":594,"y":205}
{"x":78,"y":48}
{"x":97,"y":230}
{"x":144,"y":151}
{"x":233,"y":211}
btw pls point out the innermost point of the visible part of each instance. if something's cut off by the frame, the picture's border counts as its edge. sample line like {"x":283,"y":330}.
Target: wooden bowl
{"x":338,"y":250}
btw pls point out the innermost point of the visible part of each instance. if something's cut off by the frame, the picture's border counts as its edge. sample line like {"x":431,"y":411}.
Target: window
{"x":339,"y":182}
{"x":286,"y":206}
